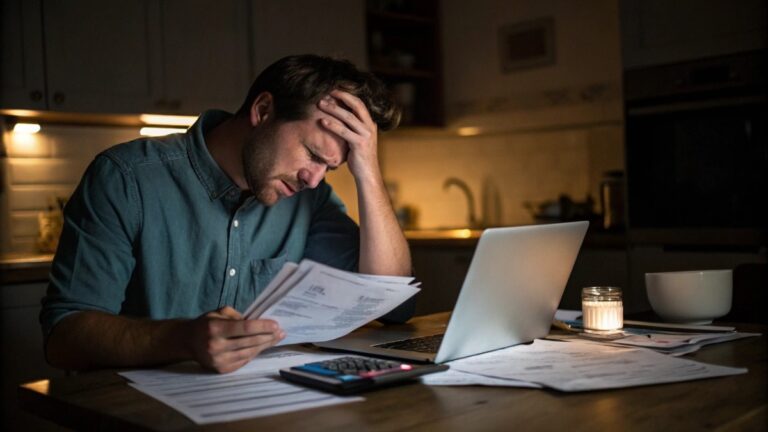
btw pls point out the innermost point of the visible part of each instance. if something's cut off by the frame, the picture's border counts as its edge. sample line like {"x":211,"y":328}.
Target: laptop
{"x":509,"y":296}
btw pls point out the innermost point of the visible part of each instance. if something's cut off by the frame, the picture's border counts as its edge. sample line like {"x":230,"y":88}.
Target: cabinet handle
{"x":59,"y":97}
{"x":161,"y":103}
{"x":36,"y":95}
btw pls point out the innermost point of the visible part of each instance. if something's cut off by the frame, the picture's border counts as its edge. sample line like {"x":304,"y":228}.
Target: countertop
{"x":34,"y":267}
{"x":24,"y":268}
{"x":461,"y":237}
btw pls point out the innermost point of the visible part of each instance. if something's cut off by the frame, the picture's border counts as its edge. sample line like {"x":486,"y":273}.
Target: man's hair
{"x":300,"y":81}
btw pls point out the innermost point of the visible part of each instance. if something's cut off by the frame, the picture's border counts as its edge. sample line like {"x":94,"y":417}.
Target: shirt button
{"x":236,"y":223}
{"x":232,"y":272}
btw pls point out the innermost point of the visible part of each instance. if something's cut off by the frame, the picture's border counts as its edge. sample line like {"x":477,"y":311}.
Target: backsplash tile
{"x":521,"y":166}
{"x":38,"y":168}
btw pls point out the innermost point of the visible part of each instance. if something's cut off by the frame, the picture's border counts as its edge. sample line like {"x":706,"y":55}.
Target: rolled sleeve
{"x":94,"y":261}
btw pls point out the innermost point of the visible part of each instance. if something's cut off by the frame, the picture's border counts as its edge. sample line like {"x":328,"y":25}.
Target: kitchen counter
{"x":23,"y":268}
{"x":468,"y":237}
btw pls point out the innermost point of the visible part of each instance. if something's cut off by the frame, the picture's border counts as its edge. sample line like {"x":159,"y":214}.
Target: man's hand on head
{"x":352,"y":122}
{"x":223,"y":341}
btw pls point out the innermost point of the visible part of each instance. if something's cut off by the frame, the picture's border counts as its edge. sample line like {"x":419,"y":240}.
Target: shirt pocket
{"x":262,"y":272}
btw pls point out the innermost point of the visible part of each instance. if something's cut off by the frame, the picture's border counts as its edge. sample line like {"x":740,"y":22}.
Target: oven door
{"x":698,"y":165}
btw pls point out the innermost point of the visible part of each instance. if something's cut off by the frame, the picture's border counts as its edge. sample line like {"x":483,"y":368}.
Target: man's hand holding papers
{"x":313,"y":302}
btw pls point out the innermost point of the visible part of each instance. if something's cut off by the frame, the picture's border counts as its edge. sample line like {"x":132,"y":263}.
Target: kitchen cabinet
{"x":441,"y":270}
{"x":441,"y":266}
{"x":23,"y":359}
{"x":205,"y":56}
{"x":101,"y":56}
{"x":290,"y":27}
{"x":404,"y":50}
{"x":599,"y":266}
{"x":22,"y":76}
{"x":161,"y":56}
{"x":649,"y":257}
{"x":658,"y":31}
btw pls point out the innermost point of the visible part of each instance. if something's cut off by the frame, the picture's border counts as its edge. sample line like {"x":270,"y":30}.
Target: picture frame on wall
{"x":527,"y":44}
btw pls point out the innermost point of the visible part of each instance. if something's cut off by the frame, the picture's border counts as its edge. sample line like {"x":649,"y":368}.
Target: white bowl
{"x":692,"y":297}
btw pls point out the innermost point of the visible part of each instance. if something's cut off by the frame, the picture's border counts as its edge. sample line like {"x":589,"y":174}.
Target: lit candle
{"x":602,"y":309}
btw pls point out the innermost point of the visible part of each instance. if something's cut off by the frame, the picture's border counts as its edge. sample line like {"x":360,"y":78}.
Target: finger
{"x":244,"y":342}
{"x":354,"y":103}
{"x":341,"y":130}
{"x":230,"y":312}
{"x":233,"y":360}
{"x":330,"y":106}
{"x":225,"y":313}
{"x":234,"y":328}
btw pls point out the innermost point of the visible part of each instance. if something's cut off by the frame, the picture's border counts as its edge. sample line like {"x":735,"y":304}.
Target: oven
{"x":697,"y":151}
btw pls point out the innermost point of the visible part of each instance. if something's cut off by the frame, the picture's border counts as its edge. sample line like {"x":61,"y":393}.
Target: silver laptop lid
{"x":512,"y":289}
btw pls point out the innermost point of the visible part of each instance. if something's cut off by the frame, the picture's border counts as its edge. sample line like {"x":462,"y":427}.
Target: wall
{"x":540,"y":132}
{"x":37,"y":168}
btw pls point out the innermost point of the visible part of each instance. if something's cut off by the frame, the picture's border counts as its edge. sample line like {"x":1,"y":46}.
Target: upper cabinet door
{"x":287,"y":27}
{"x":657,"y":32}
{"x":99,"y":55}
{"x":22,"y":79}
{"x":205,"y":55}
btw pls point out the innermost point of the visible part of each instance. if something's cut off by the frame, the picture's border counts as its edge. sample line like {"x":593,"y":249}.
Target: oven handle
{"x":693,"y":106}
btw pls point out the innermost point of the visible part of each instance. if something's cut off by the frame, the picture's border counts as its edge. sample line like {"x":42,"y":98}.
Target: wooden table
{"x":103,"y":401}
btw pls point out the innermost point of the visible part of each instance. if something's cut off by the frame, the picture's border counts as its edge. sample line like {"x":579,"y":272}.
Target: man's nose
{"x":312,"y":175}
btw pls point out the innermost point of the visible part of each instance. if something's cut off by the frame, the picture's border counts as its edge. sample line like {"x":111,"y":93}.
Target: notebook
{"x":509,"y":296}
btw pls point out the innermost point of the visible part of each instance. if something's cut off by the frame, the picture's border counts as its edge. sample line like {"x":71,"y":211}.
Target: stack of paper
{"x":255,"y":390}
{"x":675,"y":344}
{"x":672,"y":339}
{"x":313,"y":302}
{"x":575,"y":366}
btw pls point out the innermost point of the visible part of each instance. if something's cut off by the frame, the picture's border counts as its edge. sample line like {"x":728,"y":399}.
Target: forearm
{"x":383,"y":248}
{"x":89,"y":340}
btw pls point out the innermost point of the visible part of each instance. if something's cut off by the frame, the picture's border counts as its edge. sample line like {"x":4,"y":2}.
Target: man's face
{"x":282,"y":158}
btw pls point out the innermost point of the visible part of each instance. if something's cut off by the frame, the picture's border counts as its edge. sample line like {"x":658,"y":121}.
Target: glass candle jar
{"x":602,"y":310}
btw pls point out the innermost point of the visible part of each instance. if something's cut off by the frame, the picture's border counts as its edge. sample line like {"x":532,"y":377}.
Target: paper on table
{"x":678,"y":344}
{"x":253,"y":391}
{"x":577,"y":366}
{"x":453,"y":377}
{"x":318,"y":303}
{"x":270,"y":360}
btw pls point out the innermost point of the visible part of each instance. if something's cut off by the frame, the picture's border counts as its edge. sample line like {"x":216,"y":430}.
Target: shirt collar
{"x":213,"y":178}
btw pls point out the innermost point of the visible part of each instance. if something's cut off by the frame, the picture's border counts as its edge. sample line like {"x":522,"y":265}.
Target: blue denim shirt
{"x":156,"y":229}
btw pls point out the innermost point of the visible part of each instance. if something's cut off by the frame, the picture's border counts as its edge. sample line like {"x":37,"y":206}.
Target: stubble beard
{"x":259,"y":157}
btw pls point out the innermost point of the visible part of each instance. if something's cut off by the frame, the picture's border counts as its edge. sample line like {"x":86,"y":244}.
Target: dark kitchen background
{"x":646,"y":117}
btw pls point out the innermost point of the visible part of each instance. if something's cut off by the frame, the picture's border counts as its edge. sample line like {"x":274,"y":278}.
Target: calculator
{"x":354,"y":374}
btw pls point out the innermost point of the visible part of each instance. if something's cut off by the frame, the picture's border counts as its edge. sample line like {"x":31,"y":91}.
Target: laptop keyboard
{"x":425,"y":344}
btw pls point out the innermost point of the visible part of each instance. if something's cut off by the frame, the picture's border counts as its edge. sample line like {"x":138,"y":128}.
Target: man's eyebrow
{"x":320,"y":158}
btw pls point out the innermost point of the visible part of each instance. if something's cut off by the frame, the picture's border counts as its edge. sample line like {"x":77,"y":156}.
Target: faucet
{"x":453,"y":181}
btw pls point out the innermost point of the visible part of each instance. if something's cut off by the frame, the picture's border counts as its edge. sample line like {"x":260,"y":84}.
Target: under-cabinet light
{"x":159,"y":131}
{"x":26,"y":128}
{"x":468,"y":131}
{"x":167,"y":120}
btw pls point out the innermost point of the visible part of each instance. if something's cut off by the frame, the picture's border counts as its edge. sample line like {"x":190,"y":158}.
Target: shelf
{"x":404,"y":50}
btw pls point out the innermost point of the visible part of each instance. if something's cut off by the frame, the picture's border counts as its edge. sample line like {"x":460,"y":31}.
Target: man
{"x":161,"y":231}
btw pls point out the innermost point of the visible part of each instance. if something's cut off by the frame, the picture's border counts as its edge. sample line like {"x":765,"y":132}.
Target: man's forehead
{"x":327,"y":143}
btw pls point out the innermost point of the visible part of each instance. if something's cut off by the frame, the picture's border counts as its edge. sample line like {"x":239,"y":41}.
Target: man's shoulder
{"x":147,"y":151}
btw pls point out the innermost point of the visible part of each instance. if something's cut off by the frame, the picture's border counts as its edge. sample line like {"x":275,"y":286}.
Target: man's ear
{"x":262,"y":108}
